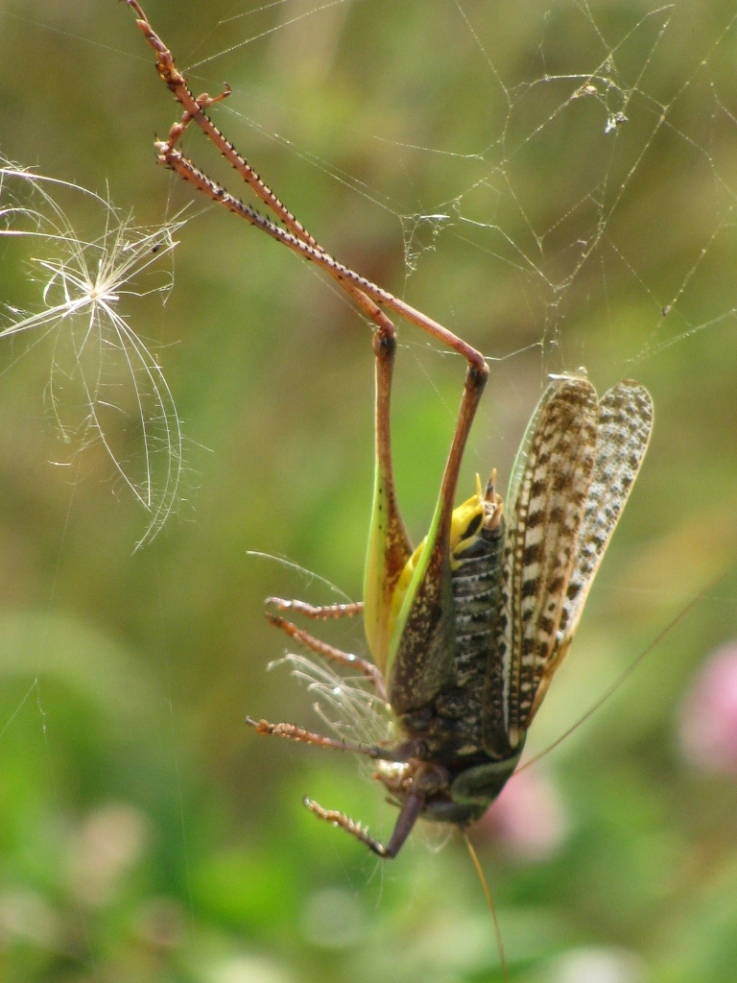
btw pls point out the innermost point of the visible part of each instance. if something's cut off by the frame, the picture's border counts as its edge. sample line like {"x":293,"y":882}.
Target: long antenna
{"x":490,"y":904}
{"x":624,"y":675}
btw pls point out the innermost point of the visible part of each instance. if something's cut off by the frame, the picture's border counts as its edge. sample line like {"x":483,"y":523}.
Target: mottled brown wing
{"x":625,"y":423}
{"x":548,"y":500}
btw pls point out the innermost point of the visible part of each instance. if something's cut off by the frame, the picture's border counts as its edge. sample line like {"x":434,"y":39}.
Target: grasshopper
{"x":467,"y":630}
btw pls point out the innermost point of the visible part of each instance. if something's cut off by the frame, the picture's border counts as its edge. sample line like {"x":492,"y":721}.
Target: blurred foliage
{"x":145,"y":833}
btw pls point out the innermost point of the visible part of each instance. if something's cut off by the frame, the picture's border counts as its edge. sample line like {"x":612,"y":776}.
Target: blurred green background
{"x":556,"y":182}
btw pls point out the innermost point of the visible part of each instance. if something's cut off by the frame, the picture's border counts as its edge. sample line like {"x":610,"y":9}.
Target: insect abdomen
{"x":475,"y":580}
{"x":450,"y":726}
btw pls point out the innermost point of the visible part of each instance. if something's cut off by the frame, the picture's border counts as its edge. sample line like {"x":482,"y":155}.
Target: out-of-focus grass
{"x":145,"y":832}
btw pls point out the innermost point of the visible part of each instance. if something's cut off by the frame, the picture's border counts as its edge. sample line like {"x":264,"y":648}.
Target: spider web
{"x":553,"y":181}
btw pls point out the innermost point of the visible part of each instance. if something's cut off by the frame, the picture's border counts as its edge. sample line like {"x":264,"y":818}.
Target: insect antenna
{"x":624,"y":675}
{"x":489,"y":902}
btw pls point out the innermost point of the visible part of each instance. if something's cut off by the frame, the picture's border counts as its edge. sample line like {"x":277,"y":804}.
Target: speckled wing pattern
{"x":574,"y":473}
{"x":625,"y":423}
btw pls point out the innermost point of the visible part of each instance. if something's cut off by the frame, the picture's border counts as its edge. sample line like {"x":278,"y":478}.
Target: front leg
{"x":319,"y":612}
{"x":408,"y":815}
{"x":294,"y":733}
{"x":345,"y":659}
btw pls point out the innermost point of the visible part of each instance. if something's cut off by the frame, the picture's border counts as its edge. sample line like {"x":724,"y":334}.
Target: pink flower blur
{"x":528,"y":819}
{"x":708,"y":729}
